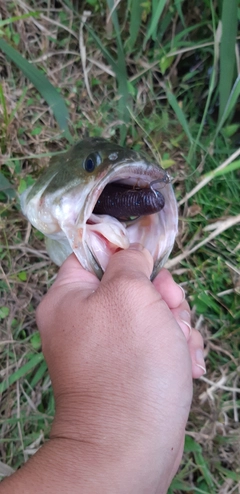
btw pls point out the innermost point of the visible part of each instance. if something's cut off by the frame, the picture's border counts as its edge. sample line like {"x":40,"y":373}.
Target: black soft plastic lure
{"x":124,"y":202}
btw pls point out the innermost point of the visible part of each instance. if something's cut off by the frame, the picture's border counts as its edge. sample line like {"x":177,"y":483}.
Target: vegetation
{"x":163,"y":76}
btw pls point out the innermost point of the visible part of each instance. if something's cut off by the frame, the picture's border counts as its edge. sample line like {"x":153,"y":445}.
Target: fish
{"x":97,"y":198}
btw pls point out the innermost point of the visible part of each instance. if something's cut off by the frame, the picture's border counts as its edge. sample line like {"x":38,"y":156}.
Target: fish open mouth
{"x":131,"y":204}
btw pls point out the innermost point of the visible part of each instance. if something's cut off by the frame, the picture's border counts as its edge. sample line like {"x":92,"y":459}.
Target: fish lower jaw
{"x":104,"y":235}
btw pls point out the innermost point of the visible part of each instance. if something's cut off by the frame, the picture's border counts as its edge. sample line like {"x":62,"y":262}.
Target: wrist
{"x":114,"y":464}
{"x":113,"y":444}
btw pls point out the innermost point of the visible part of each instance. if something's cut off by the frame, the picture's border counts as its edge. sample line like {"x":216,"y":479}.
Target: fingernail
{"x":136,"y":246}
{"x":186,"y":319}
{"x":199,"y":357}
{"x":183,"y":293}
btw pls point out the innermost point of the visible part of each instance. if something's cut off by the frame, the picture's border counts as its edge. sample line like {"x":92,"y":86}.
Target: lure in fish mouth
{"x":99,"y":197}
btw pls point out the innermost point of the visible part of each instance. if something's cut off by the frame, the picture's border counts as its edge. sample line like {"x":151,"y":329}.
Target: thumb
{"x":134,"y":262}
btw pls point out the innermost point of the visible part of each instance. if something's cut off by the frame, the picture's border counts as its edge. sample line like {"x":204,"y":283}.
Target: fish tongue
{"x":105,"y":235}
{"x":109,"y":228}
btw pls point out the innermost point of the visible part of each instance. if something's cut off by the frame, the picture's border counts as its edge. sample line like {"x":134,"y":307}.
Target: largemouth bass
{"x":99,"y":197}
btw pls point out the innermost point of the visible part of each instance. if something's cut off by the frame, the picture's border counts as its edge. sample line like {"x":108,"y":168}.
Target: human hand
{"x":121,"y":371}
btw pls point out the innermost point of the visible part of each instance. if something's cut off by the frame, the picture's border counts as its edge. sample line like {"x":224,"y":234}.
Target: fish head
{"x":62,"y":201}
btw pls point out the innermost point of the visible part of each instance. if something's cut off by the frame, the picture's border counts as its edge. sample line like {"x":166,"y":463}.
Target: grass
{"x":153,"y":75}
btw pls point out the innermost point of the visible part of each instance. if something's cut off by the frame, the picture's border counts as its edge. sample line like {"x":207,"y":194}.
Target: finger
{"x":195,"y":346}
{"x":182,"y":315}
{"x":195,"y":341}
{"x":133,"y":262}
{"x":170,"y":291}
{"x":72,"y":272}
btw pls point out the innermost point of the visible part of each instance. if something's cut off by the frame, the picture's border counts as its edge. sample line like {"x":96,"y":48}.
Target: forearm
{"x":48,"y":471}
{"x":61,"y":467}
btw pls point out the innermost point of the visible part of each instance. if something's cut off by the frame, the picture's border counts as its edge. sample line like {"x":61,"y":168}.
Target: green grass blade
{"x":229,"y":474}
{"x":103,"y":49}
{"x":235,"y":165}
{"x":21,"y":372}
{"x":181,"y":486}
{"x":136,"y":10}
{"x":227,"y":51}
{"x":6,"y":187}
{"x":212,"y":85}
{"x":114,"y":18}
{"x":182,"y":36}
{"x":39,"y":374}
{"x":191,"y":445}
{"x":203,"y":467}
{"x":230,"y":105}
{"x":4,"y":106}
{"x":179,"y":114}
{"x":178,"y":6}
{"x":121,"y":74}
{"x":10,"y":20}
{"x":42,"y":84}
{"x":157,"y":9}
{"x":119,"y":67}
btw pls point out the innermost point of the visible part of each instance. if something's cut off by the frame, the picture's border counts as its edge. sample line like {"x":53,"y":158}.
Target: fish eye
{"x":93,"y":160}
